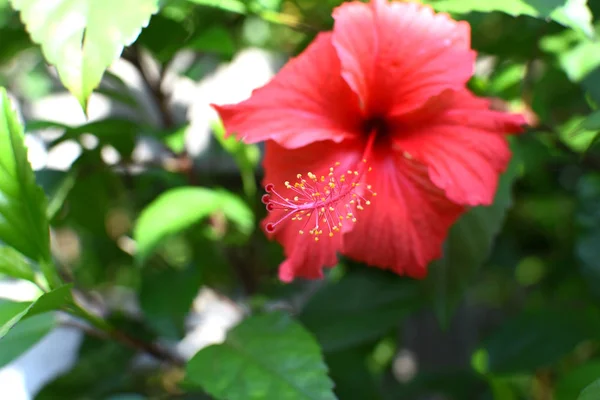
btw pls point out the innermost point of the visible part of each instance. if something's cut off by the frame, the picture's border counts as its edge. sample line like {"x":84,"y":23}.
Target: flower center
{"x":375,"y":125}
{"x":323,"y":204}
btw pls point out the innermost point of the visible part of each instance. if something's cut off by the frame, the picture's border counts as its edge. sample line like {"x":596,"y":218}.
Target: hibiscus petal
{"x":307,"y":101}
{"x":407,"y":223}
{"x":305,"y":257}
{"x":462,"y":142}
{"x":397,"y":55}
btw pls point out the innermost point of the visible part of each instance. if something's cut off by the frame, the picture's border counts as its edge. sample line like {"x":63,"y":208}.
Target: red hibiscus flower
{"x":374,"y":146}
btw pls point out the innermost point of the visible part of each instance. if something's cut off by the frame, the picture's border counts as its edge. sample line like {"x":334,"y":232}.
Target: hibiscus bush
{"x":300,"y":199}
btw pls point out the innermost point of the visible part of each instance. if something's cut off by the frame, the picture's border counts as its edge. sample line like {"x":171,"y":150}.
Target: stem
{"x":49,"y":273}
{"x":103,"y":329}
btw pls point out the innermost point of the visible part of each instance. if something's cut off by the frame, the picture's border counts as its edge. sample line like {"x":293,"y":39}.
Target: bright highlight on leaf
{"x":11,"y":313}
{"x":178,"y":209}
{"x":591,"y":392}
{"x":82,"y":38}
{"x":23,"y":223}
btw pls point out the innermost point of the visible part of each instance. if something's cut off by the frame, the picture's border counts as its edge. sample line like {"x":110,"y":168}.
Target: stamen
{"x":321,"y":197}
{"x":326,"y":202}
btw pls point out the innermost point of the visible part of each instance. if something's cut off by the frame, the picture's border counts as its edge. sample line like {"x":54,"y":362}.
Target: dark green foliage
{"x":124,"y":249}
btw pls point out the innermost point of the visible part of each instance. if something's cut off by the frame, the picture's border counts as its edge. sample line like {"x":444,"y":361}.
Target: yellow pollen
{"x":324,"y":196}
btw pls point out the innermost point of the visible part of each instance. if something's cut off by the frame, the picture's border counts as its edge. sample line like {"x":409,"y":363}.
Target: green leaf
{"x":592,"y":392}
{"x":353,"y":380}
{"x":24,"y":335}
{"x":13,"y":264}
{"x":530,"y":341}
{"x":23,"y":223}
{"x":166,"y":297}
{"x":572,"y":13}
{"x":82,"y":38}
{"x":378,"y":302}
{"x":590,"y":123}
{"x":574,"y":381}
{"x":577,"y":54}
{"x":11,"y":313}
{"x":236,"y":6}
{"x":467,"y":247}
{"x":214,"y":39}
{"x":164,"y":47}
{"x":265,"y":357}
{"x":178,"y":209}
{"x":118,"y":132}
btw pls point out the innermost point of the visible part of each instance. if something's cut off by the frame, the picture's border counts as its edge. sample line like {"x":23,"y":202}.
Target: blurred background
{"x":154,"y":220}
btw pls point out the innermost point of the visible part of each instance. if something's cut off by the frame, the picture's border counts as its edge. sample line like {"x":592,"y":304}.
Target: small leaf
{"x":118,"y":132}
{"x":178,"y":209}
{"x":467,"y":247}
{"x":378,"y":302}
{"x":23,"y":223}
{"x":592,"y":392}
{"x":572,"y":13}
{"x":265,"y":357}
{"x":13,"y":264}
{"x":236,"y":6}
{"x":82,"y":38}
{"x":11,"y":313}
{"x":590,"y":123}
{"x":215,"y":39}
{"x":574,"y":381}
{"x":24,"y":335}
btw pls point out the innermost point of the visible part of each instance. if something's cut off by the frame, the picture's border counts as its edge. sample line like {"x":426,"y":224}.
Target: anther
{"x":325,"y":202}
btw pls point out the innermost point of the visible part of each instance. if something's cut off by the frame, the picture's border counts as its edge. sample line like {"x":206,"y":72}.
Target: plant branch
{"x":154,"y":85}
{"x":100,"y":328}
